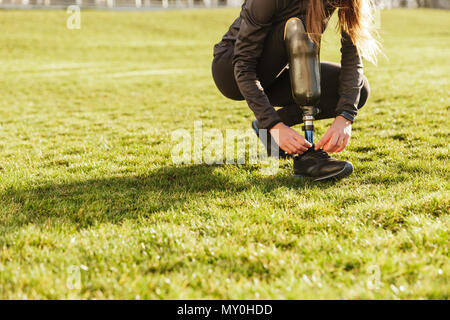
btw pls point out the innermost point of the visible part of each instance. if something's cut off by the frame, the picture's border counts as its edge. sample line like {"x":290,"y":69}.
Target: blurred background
{"x":162,"y":4}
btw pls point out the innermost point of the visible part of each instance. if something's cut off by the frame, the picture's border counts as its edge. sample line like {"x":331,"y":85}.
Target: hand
{"x":289,"y":140}
{"x":337,"y":136}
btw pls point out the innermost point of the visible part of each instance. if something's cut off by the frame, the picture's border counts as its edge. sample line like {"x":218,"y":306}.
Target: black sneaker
{"x":319,"y":166}
{"x":270,"y":144}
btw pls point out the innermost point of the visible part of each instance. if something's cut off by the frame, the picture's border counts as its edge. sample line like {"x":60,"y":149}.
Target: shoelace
{"x":321,"y":154}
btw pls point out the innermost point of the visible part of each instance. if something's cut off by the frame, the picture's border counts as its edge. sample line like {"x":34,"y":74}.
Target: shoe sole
{"x":345,"y":172}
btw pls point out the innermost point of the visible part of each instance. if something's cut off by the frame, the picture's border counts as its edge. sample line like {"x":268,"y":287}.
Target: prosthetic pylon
{"x":304,"y":71}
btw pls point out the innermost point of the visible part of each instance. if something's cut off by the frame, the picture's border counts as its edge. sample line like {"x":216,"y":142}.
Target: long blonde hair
{"x":355,"y":18}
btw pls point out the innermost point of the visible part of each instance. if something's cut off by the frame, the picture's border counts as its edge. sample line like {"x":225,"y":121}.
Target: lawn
{"x":92,"y":206}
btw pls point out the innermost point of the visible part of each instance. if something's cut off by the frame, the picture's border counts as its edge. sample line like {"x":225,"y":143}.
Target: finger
{"x":301,"y":151}
{"x":323,"y":141}
{"x":297,"y":146}
{"x":344,"y":144}
{"x":290,"y":150}
{"x":327,"y":144}
{"x":297,"y":151}
{"x":291,"y":147}
{"x":302,"y":141}
{"x":286,"y":148}
{"x":338,"y":144}
{"x":303,"y":145}
{"x":331,"y":144}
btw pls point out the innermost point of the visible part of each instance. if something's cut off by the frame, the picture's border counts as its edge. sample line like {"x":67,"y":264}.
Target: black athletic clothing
{"x":249,"y":60}
{"x":279,"y":91}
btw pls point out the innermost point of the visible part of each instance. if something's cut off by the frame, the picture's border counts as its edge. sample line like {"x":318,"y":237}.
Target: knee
{"x":223,"y":76}
{"x":365,"y":92}
{"x":293,"y":25}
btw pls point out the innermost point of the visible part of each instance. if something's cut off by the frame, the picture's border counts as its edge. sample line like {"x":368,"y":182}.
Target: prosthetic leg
{"x":304,"y":72}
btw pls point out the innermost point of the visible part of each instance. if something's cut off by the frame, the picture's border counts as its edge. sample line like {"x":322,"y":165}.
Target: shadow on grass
{"x":113,"y":199}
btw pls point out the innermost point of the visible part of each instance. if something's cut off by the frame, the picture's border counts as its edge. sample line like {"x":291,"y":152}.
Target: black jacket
{"x":247,"y":34}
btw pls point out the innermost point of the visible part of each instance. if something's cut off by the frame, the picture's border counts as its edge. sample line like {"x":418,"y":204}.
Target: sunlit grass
{"x":87,"y":180}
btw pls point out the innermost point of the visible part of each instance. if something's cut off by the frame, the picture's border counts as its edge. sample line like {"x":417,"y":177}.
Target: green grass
{"x":87,"y":181}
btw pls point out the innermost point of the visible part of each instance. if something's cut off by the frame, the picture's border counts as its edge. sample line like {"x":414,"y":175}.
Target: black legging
{"x":278,"y":89}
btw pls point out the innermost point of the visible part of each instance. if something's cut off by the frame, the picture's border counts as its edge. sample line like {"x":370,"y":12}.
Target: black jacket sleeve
{"x":350,"y":79}
{"x":256,"y":16}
